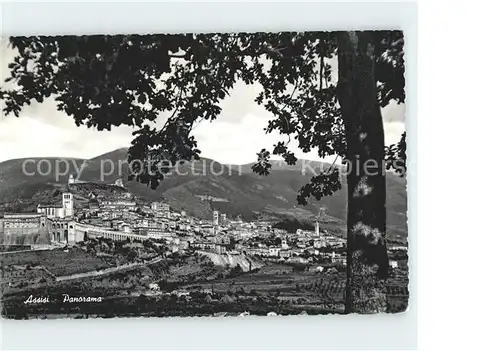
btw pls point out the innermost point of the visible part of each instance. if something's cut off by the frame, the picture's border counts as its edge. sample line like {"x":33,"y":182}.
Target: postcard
{"x":203,"y":174}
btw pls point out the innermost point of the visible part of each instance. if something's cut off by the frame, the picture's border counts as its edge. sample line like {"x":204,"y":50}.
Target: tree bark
{"x":367,"y":260}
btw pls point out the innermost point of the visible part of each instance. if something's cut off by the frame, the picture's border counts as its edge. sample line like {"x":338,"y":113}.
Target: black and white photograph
{"x":203,"y":175}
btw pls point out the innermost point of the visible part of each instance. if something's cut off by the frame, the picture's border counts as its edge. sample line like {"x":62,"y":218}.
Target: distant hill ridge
{"x":199,"y":189}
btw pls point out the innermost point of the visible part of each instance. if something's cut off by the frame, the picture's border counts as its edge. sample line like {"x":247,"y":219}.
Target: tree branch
{"x":179,"y":97}
{"x":321,"y":73}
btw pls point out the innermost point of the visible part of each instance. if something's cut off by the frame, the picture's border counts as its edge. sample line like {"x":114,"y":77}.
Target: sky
{"x":233,"y":138}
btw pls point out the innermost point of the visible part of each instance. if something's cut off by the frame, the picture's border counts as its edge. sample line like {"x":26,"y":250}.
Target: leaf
{"x":104,"y":81}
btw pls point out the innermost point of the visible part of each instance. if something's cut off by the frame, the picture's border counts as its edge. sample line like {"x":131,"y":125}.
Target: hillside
{"x":198,"y":191}
{"x":22,"y":187}
{"x":291,"y":177}
{"x":246,"y":263}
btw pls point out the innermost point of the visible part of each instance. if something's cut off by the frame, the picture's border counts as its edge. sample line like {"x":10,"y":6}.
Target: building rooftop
{"x":21,"y":215}
{"x":50,"y":206}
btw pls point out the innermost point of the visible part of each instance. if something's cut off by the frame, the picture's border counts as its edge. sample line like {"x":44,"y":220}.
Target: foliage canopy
{"x":106,"y":81}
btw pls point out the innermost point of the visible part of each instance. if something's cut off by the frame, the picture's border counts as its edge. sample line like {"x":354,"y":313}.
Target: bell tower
{"x":284,"y":243}
{"x":216,"y":217}
{"x":67,"y":204}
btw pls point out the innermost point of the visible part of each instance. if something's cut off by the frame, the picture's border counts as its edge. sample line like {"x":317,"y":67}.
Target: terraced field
{"x":58,"y":262}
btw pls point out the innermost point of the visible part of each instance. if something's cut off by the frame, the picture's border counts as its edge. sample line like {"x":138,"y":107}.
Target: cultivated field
{"x":189,"y":285}
{"x":20,"y":266}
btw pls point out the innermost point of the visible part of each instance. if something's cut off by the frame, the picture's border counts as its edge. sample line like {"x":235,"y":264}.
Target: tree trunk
{"x":367,"y":260}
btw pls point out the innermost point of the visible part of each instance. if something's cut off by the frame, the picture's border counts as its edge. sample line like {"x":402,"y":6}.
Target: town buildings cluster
{"x":120,"y":217}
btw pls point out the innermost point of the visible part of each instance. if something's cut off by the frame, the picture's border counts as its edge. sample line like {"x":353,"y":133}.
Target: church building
{"x":50,"y":224}
{"x":58,"y":211}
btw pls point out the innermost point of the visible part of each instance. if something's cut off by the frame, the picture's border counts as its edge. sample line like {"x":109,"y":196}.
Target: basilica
{"x":49,"y":225}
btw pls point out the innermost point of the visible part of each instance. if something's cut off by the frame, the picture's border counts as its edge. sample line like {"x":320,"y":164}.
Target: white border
{"x":321,"y":332}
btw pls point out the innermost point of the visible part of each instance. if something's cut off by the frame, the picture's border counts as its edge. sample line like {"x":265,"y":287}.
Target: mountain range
{"x":199,"y":187}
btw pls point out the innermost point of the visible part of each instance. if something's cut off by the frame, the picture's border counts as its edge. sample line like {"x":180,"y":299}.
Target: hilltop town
{"x":101,"y":238}
{"x":120,"y":217}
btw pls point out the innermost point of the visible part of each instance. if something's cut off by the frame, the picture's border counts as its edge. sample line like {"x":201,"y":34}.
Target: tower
{"x":67,"y":204}
{"x":316,"y":227}
{"x":216,"y":217}
{"x":284,"y":244}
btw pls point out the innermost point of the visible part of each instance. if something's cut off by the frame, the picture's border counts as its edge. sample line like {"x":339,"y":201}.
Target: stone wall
{"x":23,"y":231}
